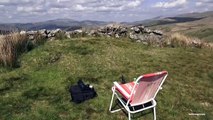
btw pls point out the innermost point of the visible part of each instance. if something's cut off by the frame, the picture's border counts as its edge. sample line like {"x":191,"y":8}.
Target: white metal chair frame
{"x":127,"y":105}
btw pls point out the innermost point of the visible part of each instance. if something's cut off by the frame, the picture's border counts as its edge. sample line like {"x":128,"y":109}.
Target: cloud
{"x":170,"y":4}
{"x":107,"y":10}
{"x":206,"y":1}
{"x":203,"y":3}
{"x":31,"y":9}
{"x":79,"y":7}
{"x":37,"y":10}
{"x":198,"y":3}
{"x":105,"y":5}
{"x":4,"y":1}
{"x":15,"y":2}
{"x":134,"y":3}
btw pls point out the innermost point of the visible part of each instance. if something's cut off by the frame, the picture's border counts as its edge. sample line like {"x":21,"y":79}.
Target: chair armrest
{"x":121,"y":90}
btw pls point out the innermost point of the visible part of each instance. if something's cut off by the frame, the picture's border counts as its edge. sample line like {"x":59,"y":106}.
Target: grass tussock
{"x":60,"y":35}
{"x":11,"y":46}
{"x":180,"y":40}
{"x":38,"y":39}
{"x":14,"y":44}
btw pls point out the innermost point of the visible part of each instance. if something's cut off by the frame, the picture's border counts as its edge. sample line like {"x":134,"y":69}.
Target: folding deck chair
{"x":138,"y":95}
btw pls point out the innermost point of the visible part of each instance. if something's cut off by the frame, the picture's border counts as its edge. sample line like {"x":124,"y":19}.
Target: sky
{"x":24,"y":11}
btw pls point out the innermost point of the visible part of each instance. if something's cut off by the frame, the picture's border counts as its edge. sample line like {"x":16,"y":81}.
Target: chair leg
{"x":129,"y":115}
{"x":110,"y":107}
{"x":154,"y":112}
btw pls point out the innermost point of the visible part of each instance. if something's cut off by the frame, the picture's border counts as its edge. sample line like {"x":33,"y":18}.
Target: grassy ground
{"x":205,"y":34}
{"x":39,"y":88}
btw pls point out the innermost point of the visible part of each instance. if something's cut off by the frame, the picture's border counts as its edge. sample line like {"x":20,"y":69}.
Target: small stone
{"x":23,"y":32}
{"x":146,"y":30}
{"x":67,"y":35}
{"x":158,"y":32}
{"x":135,"y":29}
{"x":117,"y":36}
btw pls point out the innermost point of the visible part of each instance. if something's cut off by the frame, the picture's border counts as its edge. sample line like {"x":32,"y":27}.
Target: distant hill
{"x":188,"y":17}
{"x":65,"y":24}
{"x":193,"y":24}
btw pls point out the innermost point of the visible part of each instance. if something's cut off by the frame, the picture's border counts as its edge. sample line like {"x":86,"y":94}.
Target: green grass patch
{"x":39,"y":88}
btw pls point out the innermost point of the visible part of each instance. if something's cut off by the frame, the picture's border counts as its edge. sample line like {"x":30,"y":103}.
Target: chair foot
{"x":110,"y":108}
{"x":113,"y":111}
{"x":154,"y":112}
{"x":129,"y":115}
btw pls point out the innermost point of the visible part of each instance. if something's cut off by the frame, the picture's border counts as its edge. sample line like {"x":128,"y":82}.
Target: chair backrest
{"x":148,"y":87}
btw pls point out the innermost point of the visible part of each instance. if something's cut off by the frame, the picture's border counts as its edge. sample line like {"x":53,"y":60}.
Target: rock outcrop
{"x":135,"y":33}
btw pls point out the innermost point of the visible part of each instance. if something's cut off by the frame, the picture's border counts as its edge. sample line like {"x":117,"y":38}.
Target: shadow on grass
{"x":13,"y":105}
{"x":136,"y":115}
{"x":12,"y":82}
{"x":81,"y":49}
{"x":42,"y":93}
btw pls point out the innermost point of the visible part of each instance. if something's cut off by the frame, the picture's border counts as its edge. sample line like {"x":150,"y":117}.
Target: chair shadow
{"x":118,"y":104}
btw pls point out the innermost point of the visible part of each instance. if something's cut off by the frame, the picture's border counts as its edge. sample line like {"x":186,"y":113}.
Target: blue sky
{"x":22,"y":11}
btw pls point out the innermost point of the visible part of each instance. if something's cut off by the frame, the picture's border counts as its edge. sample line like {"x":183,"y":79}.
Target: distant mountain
{"x":197,"y":15}
{"x":65,"y":24}
{"x":188,"y":17}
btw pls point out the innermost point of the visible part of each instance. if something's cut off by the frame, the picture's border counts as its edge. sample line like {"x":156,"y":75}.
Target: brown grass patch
{"x":11,"y":46}
{"x":180,"y":40}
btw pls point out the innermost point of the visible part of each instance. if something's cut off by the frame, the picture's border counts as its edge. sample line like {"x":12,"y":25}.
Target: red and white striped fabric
{"x":155,"y":74}
{"x":126,"y":89}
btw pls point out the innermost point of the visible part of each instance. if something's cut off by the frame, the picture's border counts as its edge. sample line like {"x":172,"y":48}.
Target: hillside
{"x":201,"y":26}
{"x":38,"y":89}
{"x":181,"y":18}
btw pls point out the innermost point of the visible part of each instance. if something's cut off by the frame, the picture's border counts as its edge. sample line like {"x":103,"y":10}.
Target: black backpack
{"x":81,"y":92}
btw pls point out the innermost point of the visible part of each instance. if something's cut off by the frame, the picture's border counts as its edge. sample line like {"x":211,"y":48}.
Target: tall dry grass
{"x":180,"y":40}
{"x":11,"y":46}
